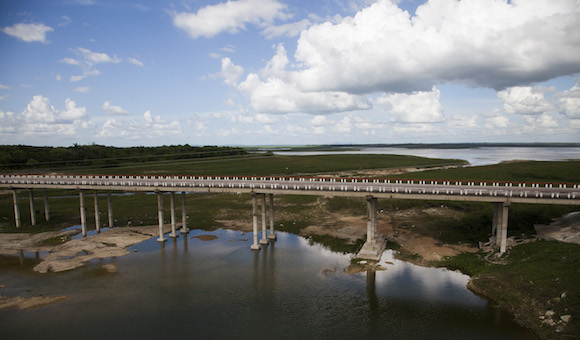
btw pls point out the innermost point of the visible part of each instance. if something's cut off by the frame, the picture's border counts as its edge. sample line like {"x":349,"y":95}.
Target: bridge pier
{"x":160,"y":216}
{"x":500,"y":225}
{"x":172,"y":205}
{"x":375,"y":243}
{"x":110,"y":209}
{"x":97,"y":216}
{"x":32,"y":210}
{"x":255,"y":245}
{"x":83,"y":213}
{"x":184,"y":230}
{"x":16,"y":208}
{"x":264,"y":240}
{"x":272,"y":235}
{"x":46,"y":207}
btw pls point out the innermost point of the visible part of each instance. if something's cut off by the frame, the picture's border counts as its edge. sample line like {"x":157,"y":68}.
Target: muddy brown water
{"x":197,"y":287}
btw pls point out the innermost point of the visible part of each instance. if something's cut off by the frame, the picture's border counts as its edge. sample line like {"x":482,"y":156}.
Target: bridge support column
{"x":160,"y":216}
{"x":501,"y":236}
{"x":83,"y":213}
{"x":32,"y":210}
{"x":264,"y":239}
{"x":272,"y":235}
{"x":497,"y":210}
{"x":16,"y":208}
{"x":46,"y":207}
{"x":97,"y":216}
{"x":110,"y":209}
{"x":375,"y":243}
{"x":172,"y":204}
{"x":184,"y":230}
{"x":255,"y":245}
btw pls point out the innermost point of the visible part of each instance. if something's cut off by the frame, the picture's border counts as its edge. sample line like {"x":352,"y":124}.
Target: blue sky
{"x":275,"y":72}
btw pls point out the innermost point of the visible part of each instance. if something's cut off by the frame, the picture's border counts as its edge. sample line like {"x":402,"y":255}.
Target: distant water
{"x":295,"y":289}
{"x":475,"y":156}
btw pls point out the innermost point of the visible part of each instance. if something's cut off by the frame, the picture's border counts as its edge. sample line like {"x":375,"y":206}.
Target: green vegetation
{"x":263,"y":165}
{"x":536,"y":281}
{"x":22,"y":157}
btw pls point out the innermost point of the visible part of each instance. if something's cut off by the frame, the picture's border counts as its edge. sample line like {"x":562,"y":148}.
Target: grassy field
{"x":264,"y":165}
{"x":537,"y":282}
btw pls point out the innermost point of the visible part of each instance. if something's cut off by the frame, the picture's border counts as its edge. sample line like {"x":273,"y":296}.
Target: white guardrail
{"x":461,"y":188}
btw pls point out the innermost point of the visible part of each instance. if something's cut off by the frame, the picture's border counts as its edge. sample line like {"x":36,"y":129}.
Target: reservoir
{"x":210,"y":285}
{"x":476,"y":156}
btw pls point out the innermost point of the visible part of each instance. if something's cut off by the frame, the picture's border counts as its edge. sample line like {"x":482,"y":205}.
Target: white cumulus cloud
{"x":278,"y":94}
{"x":569,"y":102}
{"x":525,"y":100}
{"x":87,"y":60}
{"x":29,"y":32}
{"x":41,"y":118}
{"x":417,"y":107}
{"x":485,"y":43}
{"x":230,"y":16}
{"x":114,"y":109}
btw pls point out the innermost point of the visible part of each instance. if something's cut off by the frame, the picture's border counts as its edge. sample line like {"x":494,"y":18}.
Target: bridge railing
{"x":97,"y":179}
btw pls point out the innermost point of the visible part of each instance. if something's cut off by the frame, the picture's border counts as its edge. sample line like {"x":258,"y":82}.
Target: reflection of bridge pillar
{"x":83,"y":213}
{"x":172,"y":206}
{"x":160,"y":216}
{"x":16,"y":208}
{"x":97,"y":217}
{"x":272,"y":235}
{"x":110,"y":209}
{"x":184,"y":230}
{"x":255,"y":245}
{"x":375,"y":243}
{"x":46,"y":208}
{"x":32,"y":210}
{"x":264,"y":239}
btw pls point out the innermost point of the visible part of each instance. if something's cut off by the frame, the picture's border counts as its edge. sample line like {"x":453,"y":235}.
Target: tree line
{"x":20,"y":157}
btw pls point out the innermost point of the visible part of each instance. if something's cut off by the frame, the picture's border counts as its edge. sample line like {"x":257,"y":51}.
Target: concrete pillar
{"x":160,"y":215}
{"x":255,"y":245}
{"x":504,"y":226}
{"x":46,"y":207}
{"x":16,"y":208}
{"x":83,"y":214}
{"x":32,"y":211}
{"x":495,"y":222}
{"x":184,"y":230}
{"x":375,"y":243}
{"x":272,"y":235}
{"x":374,"y":219}
{"x":172,"y":206}
{"x":97,"y":217}
{"x":110,"y":209}
{"x":370,"y":226}
{"x":264,"y":239}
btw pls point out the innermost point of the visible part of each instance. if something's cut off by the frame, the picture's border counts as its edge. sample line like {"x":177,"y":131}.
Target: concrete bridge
{"x":501,"y":194}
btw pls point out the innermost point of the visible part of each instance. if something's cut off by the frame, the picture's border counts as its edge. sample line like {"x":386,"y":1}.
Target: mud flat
{"x":74,"y":253}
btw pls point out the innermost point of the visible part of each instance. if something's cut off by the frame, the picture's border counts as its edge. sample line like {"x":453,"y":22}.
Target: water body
{"x":219,"y":289}
{"x":475,"y":156}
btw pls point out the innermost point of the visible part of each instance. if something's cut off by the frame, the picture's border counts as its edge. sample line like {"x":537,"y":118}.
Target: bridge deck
{"x":515,"y":192}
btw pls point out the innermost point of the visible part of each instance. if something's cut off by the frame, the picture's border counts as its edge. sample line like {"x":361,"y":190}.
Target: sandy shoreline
{"x":74,"y":253}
